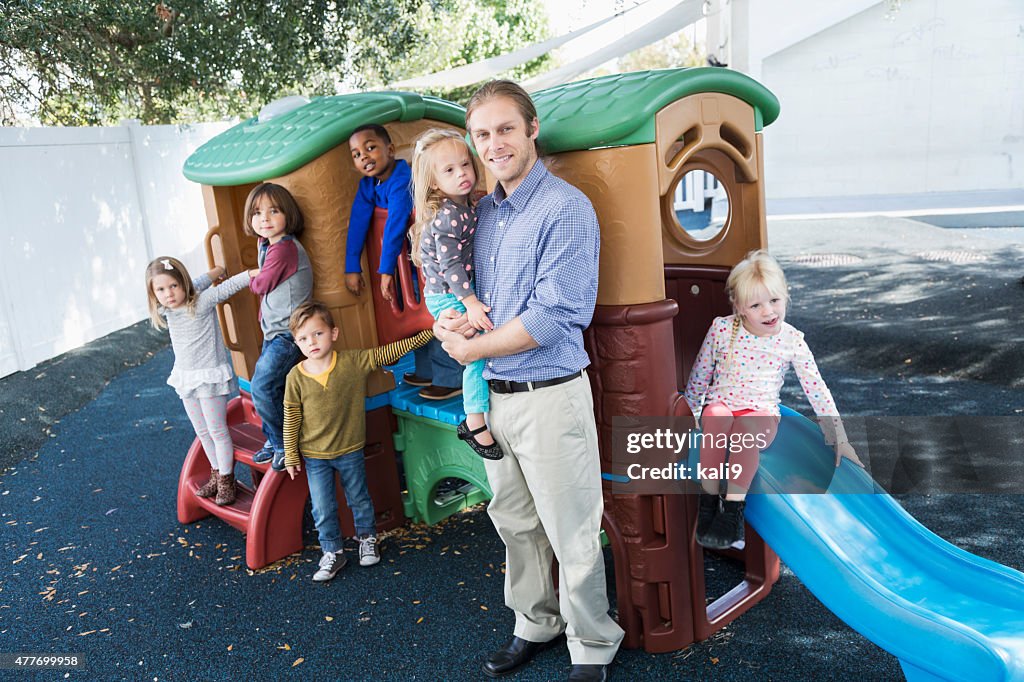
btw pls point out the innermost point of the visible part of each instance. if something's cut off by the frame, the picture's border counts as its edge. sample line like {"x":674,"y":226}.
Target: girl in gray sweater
{"x":202,"y":373}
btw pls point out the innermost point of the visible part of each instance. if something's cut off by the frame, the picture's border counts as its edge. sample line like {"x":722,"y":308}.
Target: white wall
{"x":85,"y":210}
{"x":930,"y":101}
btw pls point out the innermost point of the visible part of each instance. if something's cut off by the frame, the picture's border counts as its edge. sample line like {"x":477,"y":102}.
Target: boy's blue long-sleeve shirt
{"x":394,"y":194}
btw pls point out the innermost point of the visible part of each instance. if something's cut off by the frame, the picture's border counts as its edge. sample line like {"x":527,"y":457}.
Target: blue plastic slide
{"x":944,"y":613}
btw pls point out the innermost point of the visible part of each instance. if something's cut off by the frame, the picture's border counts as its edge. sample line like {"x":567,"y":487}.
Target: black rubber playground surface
{"x":96,"y":564}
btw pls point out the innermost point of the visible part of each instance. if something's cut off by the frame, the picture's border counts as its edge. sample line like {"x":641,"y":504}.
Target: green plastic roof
{"x":252,"y":151}
{"x":619,"y":110}
{"x":600,"y":112}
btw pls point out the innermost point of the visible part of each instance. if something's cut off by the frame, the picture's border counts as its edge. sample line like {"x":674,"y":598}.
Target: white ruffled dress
{"x":202,"y":366}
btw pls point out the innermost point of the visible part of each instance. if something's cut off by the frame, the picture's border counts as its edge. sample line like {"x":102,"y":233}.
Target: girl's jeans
{"x":277,"y":358}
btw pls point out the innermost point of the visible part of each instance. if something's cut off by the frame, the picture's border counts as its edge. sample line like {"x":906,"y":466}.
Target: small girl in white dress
{"x":202,"y":373}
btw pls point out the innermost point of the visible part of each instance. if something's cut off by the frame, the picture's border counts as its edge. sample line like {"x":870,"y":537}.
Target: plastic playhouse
{"x":646,"y":148}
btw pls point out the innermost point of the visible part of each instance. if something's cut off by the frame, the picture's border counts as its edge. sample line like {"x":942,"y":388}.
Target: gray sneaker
{"x":330,"y":564}
{"x":368,"y":552}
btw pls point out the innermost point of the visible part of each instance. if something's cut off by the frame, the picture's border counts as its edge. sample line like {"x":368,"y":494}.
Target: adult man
{"x":536,"y":258}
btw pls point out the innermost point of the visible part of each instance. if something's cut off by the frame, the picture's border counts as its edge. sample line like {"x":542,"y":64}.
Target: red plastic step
{"x":271,"y":512}
{"x":237,"y":513}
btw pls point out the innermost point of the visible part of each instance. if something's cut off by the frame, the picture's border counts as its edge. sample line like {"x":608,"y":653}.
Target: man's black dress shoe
{"x":516,"y":653}
{"x":589,"y":672}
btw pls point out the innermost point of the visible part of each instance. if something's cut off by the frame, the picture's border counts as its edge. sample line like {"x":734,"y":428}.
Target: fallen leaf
{"x":230,"y":647}
{"x":328,"y":618}
{"x":297,"y":661}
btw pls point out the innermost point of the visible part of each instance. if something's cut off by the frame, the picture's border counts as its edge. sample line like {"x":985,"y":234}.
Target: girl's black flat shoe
{"x":492,"y":451}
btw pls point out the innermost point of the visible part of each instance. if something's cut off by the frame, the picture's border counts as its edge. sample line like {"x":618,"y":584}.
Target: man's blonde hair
{"x":511,"y":90}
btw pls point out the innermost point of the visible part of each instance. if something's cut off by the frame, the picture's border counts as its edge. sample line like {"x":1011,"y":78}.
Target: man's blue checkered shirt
{"x":536,"y":257}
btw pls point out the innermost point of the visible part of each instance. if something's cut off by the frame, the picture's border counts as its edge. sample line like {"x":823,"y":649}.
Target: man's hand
{"x":459,"y":348}
{"x":844,"y":449}
{"x":293,"y":470}
{"x":386,"y":290}
{"x":452,"y":321}
{"x":354,"y":283}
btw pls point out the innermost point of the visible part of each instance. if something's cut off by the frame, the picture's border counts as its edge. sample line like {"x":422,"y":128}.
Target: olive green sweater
{"x":324,"y":421}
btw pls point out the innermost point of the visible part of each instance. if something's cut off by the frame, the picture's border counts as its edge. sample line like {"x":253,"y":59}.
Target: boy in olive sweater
{"x":325,"y":423}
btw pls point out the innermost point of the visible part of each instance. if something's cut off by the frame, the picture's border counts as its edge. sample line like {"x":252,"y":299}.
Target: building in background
{"x":895,"y":100}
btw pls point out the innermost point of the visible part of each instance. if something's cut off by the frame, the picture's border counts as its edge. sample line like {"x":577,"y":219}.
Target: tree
{"x":497,"y":27}
{"x":672,"y":52}
{"x":83,"y":62}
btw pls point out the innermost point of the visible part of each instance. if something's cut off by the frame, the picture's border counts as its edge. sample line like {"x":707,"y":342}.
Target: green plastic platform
{"x":431,"y":452}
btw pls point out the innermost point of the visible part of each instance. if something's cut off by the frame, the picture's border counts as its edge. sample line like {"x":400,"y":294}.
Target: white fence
{"x":86,"y":209}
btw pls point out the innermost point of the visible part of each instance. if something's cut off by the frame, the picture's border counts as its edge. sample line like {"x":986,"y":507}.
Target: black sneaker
{"x":277,"y":463}
{"x":264,"y":454}
{"x":708,"y":506}
{"x":330,"y":564}
{"x":727,"y":527}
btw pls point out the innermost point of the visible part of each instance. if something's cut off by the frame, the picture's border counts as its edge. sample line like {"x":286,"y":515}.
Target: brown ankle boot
{"x":225,"y":489}
{"x":209,"y":488}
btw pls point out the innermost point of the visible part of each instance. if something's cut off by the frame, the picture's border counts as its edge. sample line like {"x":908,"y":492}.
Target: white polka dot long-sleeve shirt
{"x":747,"y":373}
{"x":446,"y":251}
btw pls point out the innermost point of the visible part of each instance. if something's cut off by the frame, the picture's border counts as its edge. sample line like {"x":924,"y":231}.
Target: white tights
{"x":209,"y":417}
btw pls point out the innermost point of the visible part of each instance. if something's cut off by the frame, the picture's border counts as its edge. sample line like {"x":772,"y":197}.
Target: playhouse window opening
{"x":700,"y":205}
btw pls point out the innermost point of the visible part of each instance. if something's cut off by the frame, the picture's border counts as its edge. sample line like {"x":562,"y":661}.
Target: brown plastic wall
{"x":700,"y":291}
{"x":632,"y":372}
{"x":622,"y":184}
{"x":324,"y":189}
{"x":227,"y":245}
{"x":642,"y":351}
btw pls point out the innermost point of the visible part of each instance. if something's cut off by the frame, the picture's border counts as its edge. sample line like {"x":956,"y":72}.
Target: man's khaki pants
{"x":547,"y":502}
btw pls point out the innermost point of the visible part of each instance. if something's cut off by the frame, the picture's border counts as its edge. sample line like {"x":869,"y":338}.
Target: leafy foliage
{"x":82,"y":62}
{"x":498,"y":26}
{"x":669,"y":53}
